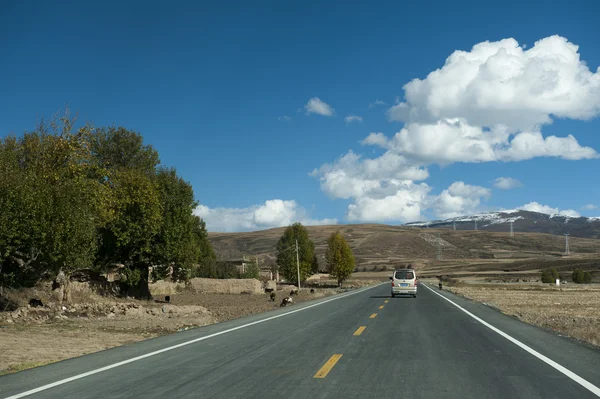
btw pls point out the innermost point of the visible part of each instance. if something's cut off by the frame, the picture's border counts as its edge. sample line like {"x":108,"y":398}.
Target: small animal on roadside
{"x":440,"y":285}
{"x":312,"y":290}
{"x":293,"y":292}
{"x":34,"y":303}
{"x":272,"y":297}
{"x":286,"y":301}
{"x":167,"y":298}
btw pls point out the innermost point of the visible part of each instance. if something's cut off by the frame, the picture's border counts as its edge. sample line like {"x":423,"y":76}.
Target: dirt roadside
{"x":571,"y":311}
{"x":33,"y":336}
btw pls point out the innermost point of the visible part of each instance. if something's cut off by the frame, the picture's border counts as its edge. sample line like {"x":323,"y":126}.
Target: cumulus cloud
{"x":589,"y":207}
{"x":459,"y":199}
{"x":487,"y":104}
{"x":502,"y":83}
{"x":507,"y":183}
{"x":273,"y":213}
{"x":317,"y":106}
{"x":376,"y":103}
{"x":353,"y":118}
{"x":537,"y":207}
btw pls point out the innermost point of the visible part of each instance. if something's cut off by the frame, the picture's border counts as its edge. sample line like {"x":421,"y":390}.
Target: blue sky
{"x":224,"y":93}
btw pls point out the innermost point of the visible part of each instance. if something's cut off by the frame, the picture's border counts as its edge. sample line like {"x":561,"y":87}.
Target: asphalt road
{"x":413,"y":348}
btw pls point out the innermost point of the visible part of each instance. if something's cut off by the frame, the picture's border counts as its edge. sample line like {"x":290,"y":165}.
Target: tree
{"x":549,"y":276}
{"x":587,"y":277}
{"x":315,"y":264}
{"x":286,"y":253}
{"x":339,"y":258}
{"x":252,"y":270}
{"x":577,"y":276}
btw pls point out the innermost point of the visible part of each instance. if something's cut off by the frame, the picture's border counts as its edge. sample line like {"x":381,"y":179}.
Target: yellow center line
{"x":381,"y":307}
{"x":360,"y":330}
{"x":386,"y":301}
{"x":374,"y":315}
{"x":322,"y":373}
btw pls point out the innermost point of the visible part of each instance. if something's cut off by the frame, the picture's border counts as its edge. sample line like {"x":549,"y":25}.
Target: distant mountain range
{"x":523,"y":221}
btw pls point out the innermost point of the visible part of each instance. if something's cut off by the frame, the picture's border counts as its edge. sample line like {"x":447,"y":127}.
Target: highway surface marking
{"x":322,"y":373}
{"x":584,"y":383}
{"x":169,"y":348}
{"x":374,"y":315}
{"x":381,"y":307}
{"x":359,"y":331}
{"x":386,"y":301}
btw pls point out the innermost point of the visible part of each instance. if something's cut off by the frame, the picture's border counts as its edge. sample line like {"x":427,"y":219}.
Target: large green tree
{"x":51,"y":203}
{"x":339,"y":257}
{"x":286,"y":253}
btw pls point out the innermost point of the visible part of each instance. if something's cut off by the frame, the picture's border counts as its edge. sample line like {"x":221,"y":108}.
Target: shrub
{"x":578,"y":276}
{"x":548,"y":277}
{"x":587,"y":277}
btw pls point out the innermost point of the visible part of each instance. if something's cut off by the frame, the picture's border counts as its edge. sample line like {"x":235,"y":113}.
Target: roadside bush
{"x":587,"y":277}
{"x":578,"y":276}
{"x":549,"y":276}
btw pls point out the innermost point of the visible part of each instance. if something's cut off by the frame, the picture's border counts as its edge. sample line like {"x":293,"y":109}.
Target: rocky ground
{"x":31,"y":336}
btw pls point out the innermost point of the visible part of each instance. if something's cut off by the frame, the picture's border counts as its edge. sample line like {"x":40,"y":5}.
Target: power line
{"x":567,"y":252}
{"x":454,"y":225}
{"x":512,"y":233}
{"x":475,"y":224}
{"x":438,"y":249}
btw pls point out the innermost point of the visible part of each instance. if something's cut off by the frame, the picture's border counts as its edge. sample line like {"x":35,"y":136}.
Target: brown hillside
{"x":384,"y":245}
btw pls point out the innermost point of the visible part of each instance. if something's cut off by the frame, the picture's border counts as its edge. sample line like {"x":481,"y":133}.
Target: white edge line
{"x":169,"y":348}
{"x":581,"y":381}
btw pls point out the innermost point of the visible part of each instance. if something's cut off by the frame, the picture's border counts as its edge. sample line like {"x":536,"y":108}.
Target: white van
{"x":404,"y":281}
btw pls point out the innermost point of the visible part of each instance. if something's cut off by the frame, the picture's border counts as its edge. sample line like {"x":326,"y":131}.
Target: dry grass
{"x":572,"y":311}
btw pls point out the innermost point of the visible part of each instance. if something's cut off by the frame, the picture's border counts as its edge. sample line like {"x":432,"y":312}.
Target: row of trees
{"x":72,"y":199}
{"x":339,"y":258}
{"x":578,"y":276}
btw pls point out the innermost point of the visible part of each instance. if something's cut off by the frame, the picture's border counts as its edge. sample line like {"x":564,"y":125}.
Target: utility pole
{"x":438,"y":249}
{"x":454,"y":225}
{"x":567,"y":252}
{"x":512,"y":233}
{"x":298,"y":264}
{"x":475,"y":224}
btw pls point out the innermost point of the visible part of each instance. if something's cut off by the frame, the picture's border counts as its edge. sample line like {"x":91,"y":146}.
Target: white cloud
{"x":537,"y":207}
{"x":376,"y":103}
{"x":284,"y":118}
{"x":353,"y":118}
{"x":488,"y":104}
{"x":316,"y":106}
{"x":453,"y":140}
{"x":589,"y":207}
{"x":507,"y":183}
{"x":459,"y":199}
{"x":404,"y":204}
{"x":273,"y":213}
{"x":501,"y":83}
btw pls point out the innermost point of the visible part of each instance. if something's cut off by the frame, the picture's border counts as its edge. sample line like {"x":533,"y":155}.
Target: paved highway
{"x":362,"y":344}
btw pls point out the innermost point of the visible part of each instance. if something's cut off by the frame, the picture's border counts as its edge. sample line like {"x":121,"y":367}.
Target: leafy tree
{"x":252,"y":270}
{"x":315,"y":264}
{"x":339,"y":257}
{"x":549,"y":276}
{"x":286,"y":253}
{"x":577,"y":276}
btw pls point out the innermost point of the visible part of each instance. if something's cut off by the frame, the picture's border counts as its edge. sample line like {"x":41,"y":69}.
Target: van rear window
{"x":404,"y":275}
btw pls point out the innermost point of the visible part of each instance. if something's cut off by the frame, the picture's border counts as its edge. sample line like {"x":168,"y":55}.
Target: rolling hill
{"x":523,"y":221}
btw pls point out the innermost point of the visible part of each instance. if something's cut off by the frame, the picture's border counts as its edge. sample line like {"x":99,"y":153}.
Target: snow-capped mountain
{"x":523,"y":221}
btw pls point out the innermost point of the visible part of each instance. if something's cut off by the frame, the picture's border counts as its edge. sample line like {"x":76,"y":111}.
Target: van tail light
{"x":392,"y":283}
